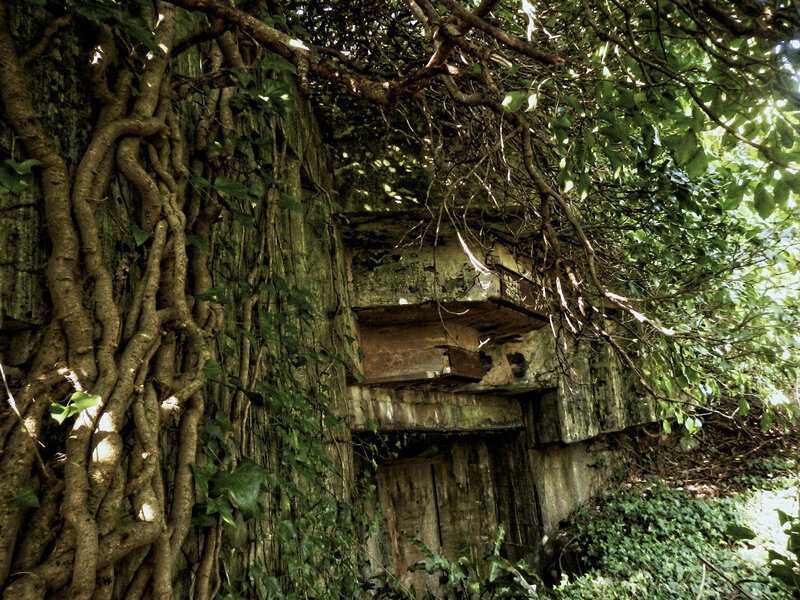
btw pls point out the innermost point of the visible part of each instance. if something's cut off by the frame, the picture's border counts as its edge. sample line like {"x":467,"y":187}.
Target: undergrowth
{"x":647,"y":541}
{"x":652,"y":542}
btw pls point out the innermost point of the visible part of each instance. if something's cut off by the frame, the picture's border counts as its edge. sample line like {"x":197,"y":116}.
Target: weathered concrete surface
{"x":519,"y":446}
{"x":432,"y":283}
{"x":567,"y":476}
{"x":390,"y":409}
{"x":453,"y":494}
{"x":22,"y":307}
{"x":578,"y":391}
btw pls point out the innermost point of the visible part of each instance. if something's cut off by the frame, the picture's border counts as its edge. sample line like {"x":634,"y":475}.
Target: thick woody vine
{"x":134,"y":340}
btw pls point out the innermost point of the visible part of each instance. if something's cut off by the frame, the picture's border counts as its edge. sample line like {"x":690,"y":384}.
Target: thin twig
{"x":13,"y":404}
{"x":739,"y":588}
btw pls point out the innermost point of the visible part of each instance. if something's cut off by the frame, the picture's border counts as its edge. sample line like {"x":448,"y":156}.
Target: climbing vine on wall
{"x":166,"y":432}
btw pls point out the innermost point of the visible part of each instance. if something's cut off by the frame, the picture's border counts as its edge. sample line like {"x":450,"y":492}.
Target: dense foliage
{"x":654,"y":542}
{"x":173,"y":382}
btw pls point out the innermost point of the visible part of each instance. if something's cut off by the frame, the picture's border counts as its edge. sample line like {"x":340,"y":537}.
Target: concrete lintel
{"x":387,"y":409}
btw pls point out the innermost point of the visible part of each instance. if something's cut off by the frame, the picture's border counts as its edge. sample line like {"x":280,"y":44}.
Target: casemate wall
{"x":483,"y":424}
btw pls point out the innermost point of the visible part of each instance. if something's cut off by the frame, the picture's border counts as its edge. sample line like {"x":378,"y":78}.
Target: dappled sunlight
{"x":759,"y":513}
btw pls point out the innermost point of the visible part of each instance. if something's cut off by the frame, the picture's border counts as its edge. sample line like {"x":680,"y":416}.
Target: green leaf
{"x":781,"y":193}
{"x":12,"y":181}
{"x":232,"y":188}
{"x":215,"y":294}
{"x":513,"y":101}
{"x":222,"y":507}
{"x":202,"y":476}
{"x":122,"y":19}
{"x":285,"y":201}
{"x":698,"y":165}
{"x":24,"y":167}
{"x":686,"y":148}
{"x":82,"y":400}
{"x":786,"y":575}
{"x":25,"y":498}
{"x":744,"y":407}
{"x":199,"y":182}
{"x":767,"y":420}
{"x":273,"y":89}
{"x":212,"y":369}
{"x":196,"y":241}
{"x":733,"y":196}
{"x":285,"y":531}
{"x":740,"y":532}
{"x":140,"y":236}
{"x":692,"y":425}
{"x":61,"y":413}
{"x":279,"y":64}
{"x":763,"y":201}
{"x":273,"y":588}
{"x":245,"y":79}
{"x":243,"y":484}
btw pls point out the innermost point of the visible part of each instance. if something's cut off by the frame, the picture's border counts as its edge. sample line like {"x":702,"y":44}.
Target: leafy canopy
{"x":644,"y":155}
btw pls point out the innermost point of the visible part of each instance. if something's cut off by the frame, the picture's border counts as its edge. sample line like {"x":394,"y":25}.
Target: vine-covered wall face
{"x":173,"y":331}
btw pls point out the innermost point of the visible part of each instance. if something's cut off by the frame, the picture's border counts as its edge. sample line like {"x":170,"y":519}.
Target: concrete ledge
{"x":387,"y":409}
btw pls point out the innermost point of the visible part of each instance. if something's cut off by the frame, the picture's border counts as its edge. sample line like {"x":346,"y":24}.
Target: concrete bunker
{"x":484,"y":426}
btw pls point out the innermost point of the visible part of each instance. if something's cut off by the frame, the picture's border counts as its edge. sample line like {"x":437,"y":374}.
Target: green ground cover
{"x":654,"y":542}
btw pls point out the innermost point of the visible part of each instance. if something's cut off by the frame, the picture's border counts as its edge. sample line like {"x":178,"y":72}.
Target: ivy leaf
{"x":740,"y":532}
{"x":199,"y":182}
{"x":285,"y":531}
{"x":98,"y":12}
{"x":272,"y":88}
{"x":786,"y":574}
{"x":222,"y":507}
{"x":61,"y":412}
{"x":82,"y":400}
{"x":25,"y":498}
{"x":243,"y":484}
{"x":744,"y":407}
{"x":245,"y":79}
{"x":212,"y":369}
{"x":23,"y":168}
{"x":232,"y":188}
{"x":12,"y":181}
{"x":195,"y":240}
{"x":203,"y":475}
{"x":215,"y":294}
{"x":279,"y":64}
{"x":273,"y":588}
{"x":513,"y":101}
{"x":287,"y":202}
{"x":140,"y":236}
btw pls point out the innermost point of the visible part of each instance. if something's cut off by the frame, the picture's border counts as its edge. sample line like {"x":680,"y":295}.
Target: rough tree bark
{"x":166,"y":240}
